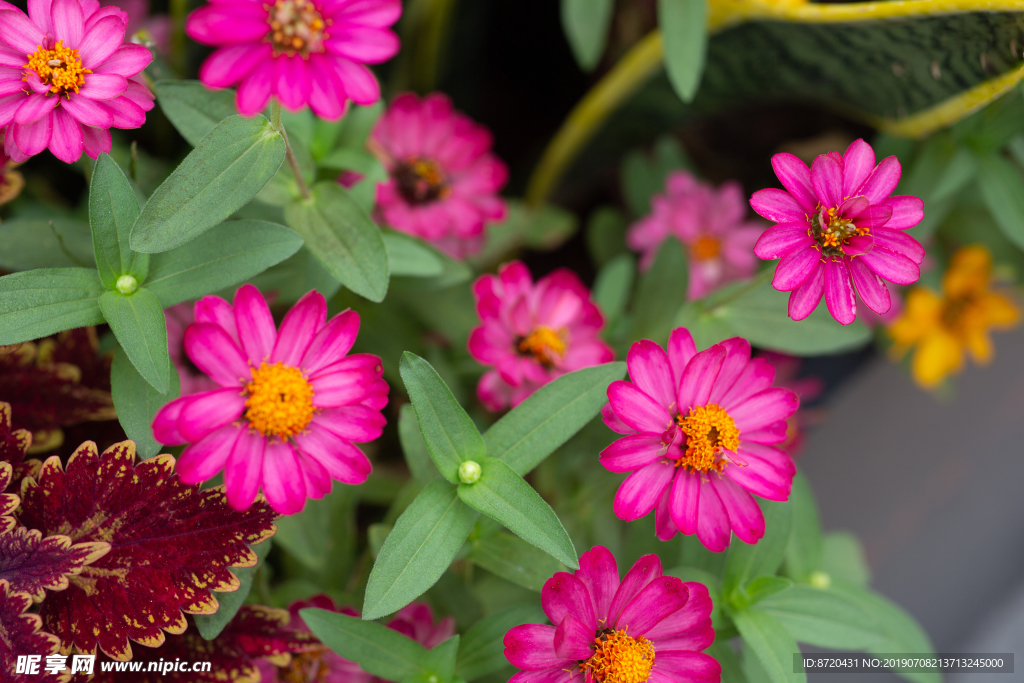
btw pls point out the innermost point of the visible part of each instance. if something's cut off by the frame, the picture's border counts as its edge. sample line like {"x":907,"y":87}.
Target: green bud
{"x":127,"y":284}
{"x":820,"y":580}
{"x":469,"y":472}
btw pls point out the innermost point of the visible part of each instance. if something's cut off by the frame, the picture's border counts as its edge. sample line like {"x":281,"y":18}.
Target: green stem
{"x":275,"y":121}
{"x":179,"y":46}
{"x":634,"y":69}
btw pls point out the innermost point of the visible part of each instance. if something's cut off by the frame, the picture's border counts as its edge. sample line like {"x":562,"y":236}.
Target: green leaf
{"x":344,"y":238}
{"x":822,"y":617}
{"x":843,"y":558}
{"x":503,"y":495}
{"x":1002,"y":188}
{"x":193,"y":108}
{"x":37,"y":303}
{"x":482,"y":650}
{"x":439,"y":663}
{"x":586,"y":24}
{"x":410,"y":257}
{"x":27,"y":243}
{"x":137,"y":403}
{"x":961,"y":169}
{"x":683,"y":30}
{"x":226,"y":169}
{"x":377,"y":649}
{"x":449,"y":433}
{"x":113,"y":209}
{"x":232,"y":252}
{"x":660,"y":293}
{"x":726,"y":657}
{"x":606,"y":235}
{"x":514,"y":560}
{"x":763,"y":587}
{"x":137,"y":320}
{"x":418,"y":550}
{"x":532,"y":430}
{"x":613,"y":286}
{"x":770,"y":643}
{"x":803,"y":553}
{"x":210,"y":625}
{"x":417,"y":457}
{"x":746,"y":562}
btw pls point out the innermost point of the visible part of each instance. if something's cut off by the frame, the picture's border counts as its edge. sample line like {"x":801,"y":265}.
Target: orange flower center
{"x":420,"y":180}
{"x":305,"y":667}
{"x":59,"y":68}
{"x":296,"y":27}
{"x":619,"y":658}
{"x":705,"y":248}
{"x":280,"y":400}
{"x":832,"y":232}
{"x":709,"y":431}
{"x":544,"y":344}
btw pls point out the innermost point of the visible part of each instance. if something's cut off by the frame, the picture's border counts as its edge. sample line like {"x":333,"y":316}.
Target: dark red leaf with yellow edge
{"x":9,"y":502}
{"x":20,"y":635}
{"x":170,"y":545}
{"x":14,"y":444}
{"x":256,"y":632}
{"x":34,"y":564}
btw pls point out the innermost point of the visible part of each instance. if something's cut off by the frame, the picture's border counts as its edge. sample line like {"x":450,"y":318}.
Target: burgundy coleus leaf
{"x":170,"y":545}
{"x":9,"y":502}
{"x":34,"y":564}
{"x":14,"y":444}
{"x":20,"y":635}
{"x":256,"y":632}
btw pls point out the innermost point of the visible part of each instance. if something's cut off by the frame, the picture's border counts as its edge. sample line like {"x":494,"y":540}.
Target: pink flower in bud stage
{"x":291,"y":405}
{"x":532,"y":333}
{"x":709,"y":223}
{"x":303,"y":52}
{"x":838,"y":227}
{"x":701,"y":433}
{"x":644,"y":627}
{"x":444,"y":180}
{"x":67,"y":77}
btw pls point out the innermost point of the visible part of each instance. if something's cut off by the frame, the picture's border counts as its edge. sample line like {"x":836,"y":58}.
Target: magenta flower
{"x":701,"y":432}
{"x":838,"y":227}
{"x":708,"y":222}
{"x":646,"y":627}
{"x":444,"y":180}
{"x":301,"y":51}
{"x":290,"y":406}
{"x":191,"y":378}
{"x":532,"y":334}
{"x":67,"y":77}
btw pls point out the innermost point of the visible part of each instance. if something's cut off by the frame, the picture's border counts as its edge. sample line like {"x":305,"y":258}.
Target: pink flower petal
{"x":291,"y":81}
{"x":68,"y":22}
{"x":858,"y":245}
{"x":66,"y":139}
{"x":684,"y":501}
{"x":254,"y":91}
{"x":772,"y":434}
{"x":839,"y":294}
{"x":366,"y":45}
{"x":359,"y":82}
{"x":637,"y":409}
{"x":900,"y":242}
{"x":127,"y":60}
{"x":657,"y":600}
{"x":19,"y":32}
{"x":795,"y":267}
{"x":796,"y":178}
{"x":39,"y":12}
{"x":827,"y":180}
{"x":891,"y":265}
{"x":874,"y":217}
{"x":96,"y":140}
{"x":573,"y":639}
{"x":680,"y":350}
{"x":101,"y":41}
{"x":883,"y":180}
{"x":220,"y":23}
{"x":343,"y":461}
{"x":778,"y":206}
{"x":314,"y":475}
{"x":209,"y":411}
{"x":203,"y":459}
{"x":34,"y":137}
{"x":326,"y":96}
{"x":649,"y":369}
{"x":353,"y":423}
{"x":377,"y":13}
{"x":532,"y":647}
{"x":805,"y":298}
{"x":165,"y":422}
{"x":564,"y":594}
{"x":282,"y":481}
{"x":332,"y":342}
{"x":779,"y":240}
{"x":854,"y":206}
{"x":232,"y":63}
{"x":699,"y":378}
{"x":757,"y":375}
{"x":713,"y":528}
{"x":600,"y":575}
{"x":216,"y":311}
{"x":693,"y":667}
{"x":688,"y":628}
{"x":737,"y":358}
{"x":745,"y":515}
{"x":764,"y":408}
{"x":643,"y":572}
{"x":255,"y":324}
{"x":88,"y":112}
{"x":103,"y":86}
{"x":632,"y":452}
{"x":562,"y":673}
{"x":870,"y":287}
{"x":858,"y":163}
{"x":35,"y":107}
{"x":664,"y":528}
{"x":244,"y":469}
{"x":608,"y":415}
{"x":907,"y":211}
{"x":768,"y":473}
{"x":216,"y":354}
{"x":299,"y":327}
{"x":347,"y":382}
{"x":640,"y":492}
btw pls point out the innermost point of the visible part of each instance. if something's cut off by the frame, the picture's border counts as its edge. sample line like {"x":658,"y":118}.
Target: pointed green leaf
{"x":770,"y":643}
{"x":418,"y":550}
{"x":377,"y":649}
{"x":613,"y":286}
{"x":137,"y":402}
{"x":137,"y":320}
{"x":45,"y":243}
{"x":659,"y":293}
{"x":747,"y":562}
{"x":232,"y":252}
{"x":822,"y":617}
{"x":683,"y":25}
{"x":586,"y":24}
{"x":803,"y":552}
{"x":113,"y":209}
{"x":503,"y":495}
{"x":193,"y":108}
{"x":210,"y":625}
{"x":344,"y":238}
{"x":482,"y":650}
{"x":410,"y":257}
{"x":1002,"y":188}
{"x":532,"y":430}
{"x":226,"y":169}
{"x":417,"y":457}
{"x":515,"y":560}
{"x":842,"y":557}
{"x":449,"y":433}
{"x":37,"y":303}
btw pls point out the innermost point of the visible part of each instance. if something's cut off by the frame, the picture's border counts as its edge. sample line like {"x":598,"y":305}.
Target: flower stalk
{"x":275,"y":121}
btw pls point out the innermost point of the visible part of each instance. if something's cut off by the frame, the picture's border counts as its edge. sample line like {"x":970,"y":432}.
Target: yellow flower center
{"x":705,"y":248}
{"x":544,"y":344}
{"x":305,"y":667}
{"x":59,"y":68}
{"x":619,"y":658}
{"x":280,"y":400}
{"x":296,"y":27}
{"x":832,"y":231}
{"x":709,"y":430}
{"x":420,"y":180}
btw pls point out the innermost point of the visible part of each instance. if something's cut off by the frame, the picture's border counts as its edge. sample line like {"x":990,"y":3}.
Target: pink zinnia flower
{"x":708,"y":222}
{"x":191,"y":378}
{"x":444,"y":180}
{"x":67,"y":77}
{"x":646,"y":627}
{"x":301,"y":51}
{"x":291,"y":405}
{"x":532,"y":333}
{"x":838,"y":227}
{"x":701,"y":432}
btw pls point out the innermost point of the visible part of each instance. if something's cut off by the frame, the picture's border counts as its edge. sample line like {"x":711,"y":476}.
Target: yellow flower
{"x":943,"y":326}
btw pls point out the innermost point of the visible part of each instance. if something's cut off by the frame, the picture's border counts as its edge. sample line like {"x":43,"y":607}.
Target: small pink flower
{"x":192,"y":379}
{"x":444,"y":180}
{"x":709,"y":223}
{"x":838,"y":227}
{"x":646,"y":627}
{"x":532,"y":334}
{"x":291,"y":405}
{"x":301,"y":51}
{"x":701,"y":432}
{"x":67,"y":77}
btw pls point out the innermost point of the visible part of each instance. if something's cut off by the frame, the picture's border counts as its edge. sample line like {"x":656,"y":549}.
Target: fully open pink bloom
{"x":301,"y":51}
{"x":646,"y":627}
{"x":701,"y":432}
{"x":67,"y":77}
{"x":838,"y":227}
{"x":291,"y":405}
{"x":708,"y":222}
{"x":191,"y":378}
{"x":532,"y":333}
{"x":444,"y":180}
